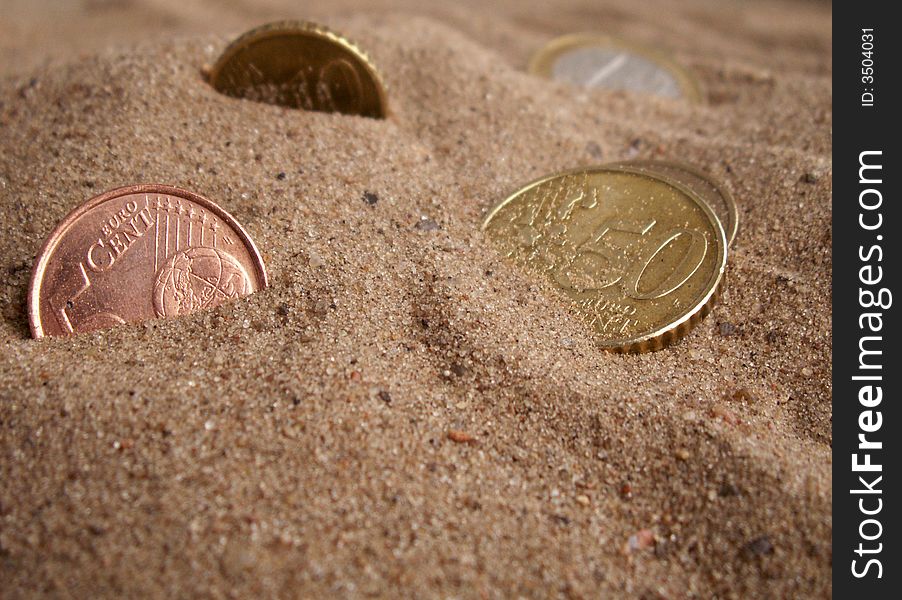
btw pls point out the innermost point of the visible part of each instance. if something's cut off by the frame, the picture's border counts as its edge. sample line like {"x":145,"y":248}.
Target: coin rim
{"x":732,"y":226}
{"x":56,"y":236}
{"x":296,"y":27}
{"x":542,"y":60}
{"x":677,"y":328}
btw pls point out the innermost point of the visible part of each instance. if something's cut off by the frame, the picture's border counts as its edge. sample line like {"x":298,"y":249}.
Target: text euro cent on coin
{"x":137,"y":253}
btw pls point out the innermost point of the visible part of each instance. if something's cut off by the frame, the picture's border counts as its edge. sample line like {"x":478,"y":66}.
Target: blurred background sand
{"x":296,"y":443}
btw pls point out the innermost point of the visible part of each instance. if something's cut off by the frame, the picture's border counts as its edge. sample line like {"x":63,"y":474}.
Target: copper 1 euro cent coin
{"x":136,"y":253}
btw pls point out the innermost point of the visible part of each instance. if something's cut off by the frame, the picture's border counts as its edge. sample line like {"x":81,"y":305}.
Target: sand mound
{"x":298,"y":440}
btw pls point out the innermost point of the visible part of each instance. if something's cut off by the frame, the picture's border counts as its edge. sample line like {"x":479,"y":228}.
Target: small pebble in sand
{"x":210,"y":425}
{"x":642,"y":539}
{"x":727,"y":329}
{"x":744,"y":395}
{"x":370,"y":198}
{"x":727,"y":489}
{"x":459,"y":369}
{"x":583,"y":499}
{"x":759,"y":546}
{"x":807,"y":372}
{"x":314,"y":259}
{"x":321,"y":307}
{"x":426,"y":224}
{"x":461,"y":437}
{"x":633,"y":150}
{"x":809,"y":177}
{"x":773,"y":336}
{"x":682,"y":454}
{"x":594,"y":150}
{"x":725,"y":415}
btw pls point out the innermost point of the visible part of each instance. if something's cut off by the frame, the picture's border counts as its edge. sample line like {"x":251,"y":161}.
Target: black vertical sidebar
{"x":867,"y":421}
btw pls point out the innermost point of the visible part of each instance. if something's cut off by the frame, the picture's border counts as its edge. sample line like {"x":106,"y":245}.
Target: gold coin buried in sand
{"x":600,"y":61}
{"x":136,"y":253}
{"x":640,"y":258}
{"x":301,"y":65}
{"x":704,"y":185}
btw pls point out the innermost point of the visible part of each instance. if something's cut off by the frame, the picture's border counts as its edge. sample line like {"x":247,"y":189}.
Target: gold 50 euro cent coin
{"x":301,"y":65}
{"x":136,"y":253}
{"x":641,"y":258}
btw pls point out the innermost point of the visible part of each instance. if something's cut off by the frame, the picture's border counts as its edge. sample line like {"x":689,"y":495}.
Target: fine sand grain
{"x":402,"y":413}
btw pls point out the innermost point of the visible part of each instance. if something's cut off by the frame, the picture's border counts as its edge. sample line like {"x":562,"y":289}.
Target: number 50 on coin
{"x":640,"y":257}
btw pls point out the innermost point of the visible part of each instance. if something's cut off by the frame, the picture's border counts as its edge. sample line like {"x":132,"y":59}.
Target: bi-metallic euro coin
{"x":601,"y":61}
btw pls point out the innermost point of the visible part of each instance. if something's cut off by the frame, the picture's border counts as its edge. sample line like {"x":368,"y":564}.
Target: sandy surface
{"x":297,"y":442}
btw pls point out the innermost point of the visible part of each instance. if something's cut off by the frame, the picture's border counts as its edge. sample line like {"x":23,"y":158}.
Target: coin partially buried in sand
{"x":301,"y":65}
{"x":640,"y":258}
{"x":704,"y":185}
{"x":136,"y":253}
{"x":600,"y":61}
